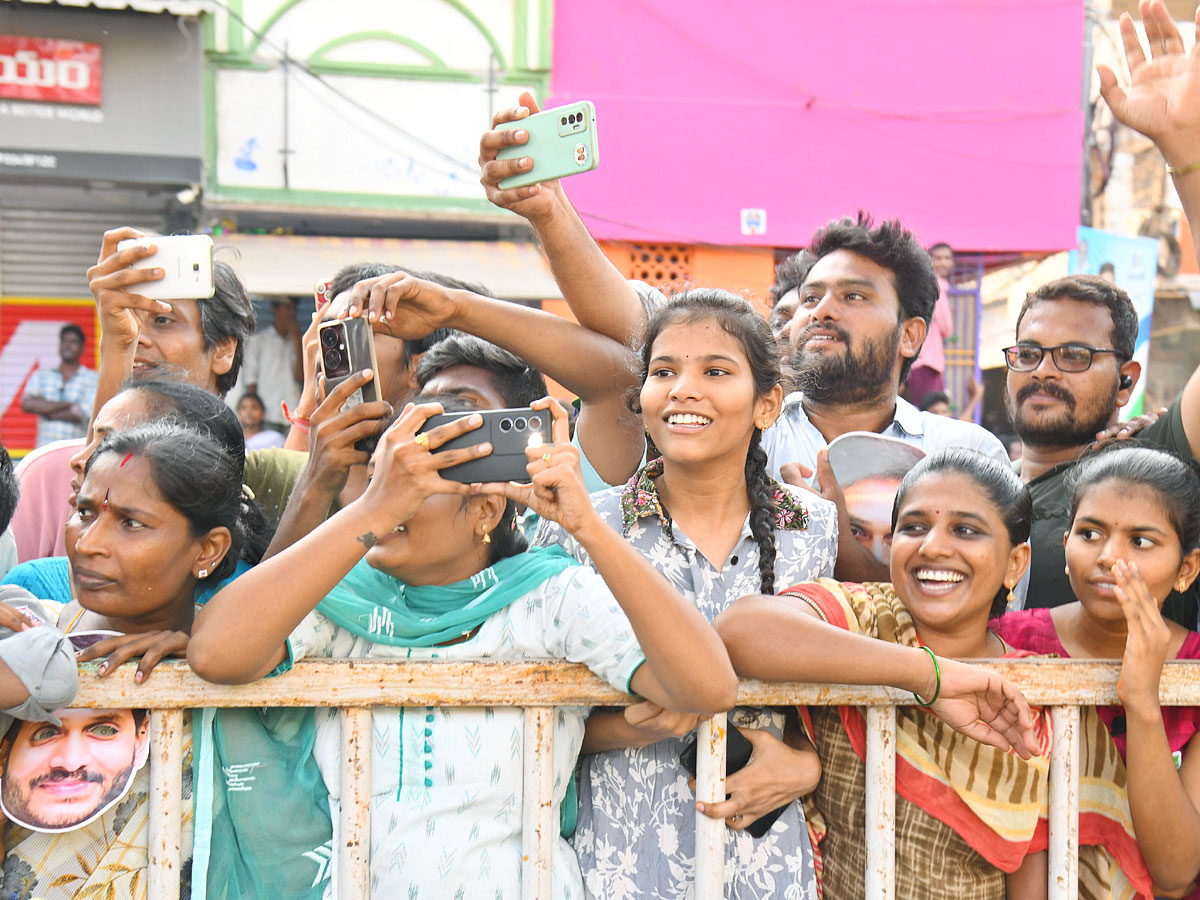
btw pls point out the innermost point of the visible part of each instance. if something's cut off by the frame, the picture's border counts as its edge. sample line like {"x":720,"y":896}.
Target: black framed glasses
{"x":1067,"y":357}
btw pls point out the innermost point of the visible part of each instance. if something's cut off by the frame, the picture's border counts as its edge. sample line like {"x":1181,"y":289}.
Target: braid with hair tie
{"x":762,"y":511}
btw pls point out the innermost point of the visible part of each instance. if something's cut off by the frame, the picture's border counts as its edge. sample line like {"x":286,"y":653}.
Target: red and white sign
{"x":49,"y":69}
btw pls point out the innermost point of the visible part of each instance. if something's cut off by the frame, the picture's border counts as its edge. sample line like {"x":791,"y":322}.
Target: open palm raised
{"x":1163,"y":98}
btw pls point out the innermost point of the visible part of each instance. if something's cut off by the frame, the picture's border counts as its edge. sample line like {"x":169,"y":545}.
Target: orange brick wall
{"x":748,"y":271}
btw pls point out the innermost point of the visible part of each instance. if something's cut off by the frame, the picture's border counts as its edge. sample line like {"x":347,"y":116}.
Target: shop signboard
{"x":50,"y":70}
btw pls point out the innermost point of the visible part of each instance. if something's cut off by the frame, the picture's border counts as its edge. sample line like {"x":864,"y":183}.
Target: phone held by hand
{"x":509,"y":431}
{"x":347,"y":348}
{"x":737,"y":754}
{"x":562,"y":142}
{"x":187,"y":263}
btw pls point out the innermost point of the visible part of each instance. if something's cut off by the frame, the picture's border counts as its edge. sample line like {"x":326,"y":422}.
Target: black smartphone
{"x":509,"y":431}
{"x":737,"y":754}
{"x":348,"y":347}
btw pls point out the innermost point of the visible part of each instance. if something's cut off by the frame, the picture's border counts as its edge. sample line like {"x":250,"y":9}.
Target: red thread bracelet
{"x":301,"y":422}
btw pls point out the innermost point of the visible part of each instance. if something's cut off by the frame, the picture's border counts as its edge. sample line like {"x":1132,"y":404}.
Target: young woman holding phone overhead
{"x":424,"y":567}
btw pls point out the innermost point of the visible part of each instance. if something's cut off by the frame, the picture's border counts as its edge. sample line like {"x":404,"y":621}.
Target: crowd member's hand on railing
{"x":653,"y":723}
{"x":153,"y":647}
{"x":974,"y":700}
{"x":983,"y":705}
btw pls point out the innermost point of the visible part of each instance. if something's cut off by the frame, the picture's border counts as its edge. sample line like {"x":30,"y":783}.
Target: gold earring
{"x":203,"y":573}
{"x":1011,"y":599}
{"x":1181,"y":585}
{"x":487,"y":538}
{"x":1066,"y":570}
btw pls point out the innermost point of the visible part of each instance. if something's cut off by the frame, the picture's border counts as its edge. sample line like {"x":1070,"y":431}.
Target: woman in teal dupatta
{"x":424,"y":567}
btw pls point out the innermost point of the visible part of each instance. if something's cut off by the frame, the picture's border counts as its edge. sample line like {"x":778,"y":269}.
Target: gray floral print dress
{"x":635,"y":837}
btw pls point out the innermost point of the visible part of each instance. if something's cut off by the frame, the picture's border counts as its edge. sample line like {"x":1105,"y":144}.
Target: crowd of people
{"x":691,"y":525}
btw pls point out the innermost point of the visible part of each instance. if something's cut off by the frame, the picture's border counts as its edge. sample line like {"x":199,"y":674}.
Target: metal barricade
{"x":357,"y":686}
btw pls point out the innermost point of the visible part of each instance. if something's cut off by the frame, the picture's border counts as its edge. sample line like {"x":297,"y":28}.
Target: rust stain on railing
{"x":376,"y":683}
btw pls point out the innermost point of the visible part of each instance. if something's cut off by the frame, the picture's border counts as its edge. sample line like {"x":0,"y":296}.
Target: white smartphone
{"x":187,"y":260}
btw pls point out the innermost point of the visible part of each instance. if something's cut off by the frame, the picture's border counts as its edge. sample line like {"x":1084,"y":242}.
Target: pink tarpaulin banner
{"x":754,"y":123}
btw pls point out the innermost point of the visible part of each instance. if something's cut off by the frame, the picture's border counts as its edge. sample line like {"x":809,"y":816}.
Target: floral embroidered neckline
{"x":639,"y":499}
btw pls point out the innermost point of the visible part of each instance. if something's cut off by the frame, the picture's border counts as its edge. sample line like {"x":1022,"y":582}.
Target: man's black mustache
{"x":810,"y":330}
{"x":80,"y":774}
{"x":1049,"y":388}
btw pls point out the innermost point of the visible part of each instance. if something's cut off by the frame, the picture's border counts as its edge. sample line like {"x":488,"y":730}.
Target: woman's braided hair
{"x":739,"y":320}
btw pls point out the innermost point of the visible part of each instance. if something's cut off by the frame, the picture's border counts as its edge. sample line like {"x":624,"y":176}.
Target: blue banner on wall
{"x":1131,"y":263}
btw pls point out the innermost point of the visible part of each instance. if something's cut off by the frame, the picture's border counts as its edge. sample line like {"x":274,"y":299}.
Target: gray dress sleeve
{"x":43,"y":660}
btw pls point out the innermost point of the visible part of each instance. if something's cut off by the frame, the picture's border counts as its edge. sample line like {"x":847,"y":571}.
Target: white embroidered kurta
{"x":446,"y":782}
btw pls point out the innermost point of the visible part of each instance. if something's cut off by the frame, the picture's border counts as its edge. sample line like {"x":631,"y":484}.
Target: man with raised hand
{"x":862,"y":315}
{"x":198,"y":341}
{"x":1072,"y":368}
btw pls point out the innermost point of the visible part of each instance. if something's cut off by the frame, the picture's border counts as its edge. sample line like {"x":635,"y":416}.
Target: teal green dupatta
{"x":385,"y":610}
{"x":263,"y":825}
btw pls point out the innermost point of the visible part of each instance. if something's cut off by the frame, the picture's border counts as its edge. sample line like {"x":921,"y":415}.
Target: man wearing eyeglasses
{"x":1060,"y":398}
{"x":1069,"y":373}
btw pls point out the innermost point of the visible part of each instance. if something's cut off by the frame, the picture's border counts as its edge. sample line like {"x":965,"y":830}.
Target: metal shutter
{"x":49,"y":236}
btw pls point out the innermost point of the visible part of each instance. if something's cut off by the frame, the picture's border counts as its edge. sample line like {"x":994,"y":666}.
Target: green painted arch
{"x":459,"y":5}
{"x":391,"y":37}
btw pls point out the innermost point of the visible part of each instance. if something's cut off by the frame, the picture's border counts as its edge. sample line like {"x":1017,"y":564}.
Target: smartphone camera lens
{"x":329,"y":337}
{"x":518,"y":424}
{"x":535,"y":424}
{"x":333,"y":359}
{"x":564,"y":120}
{"x":506,"y":425}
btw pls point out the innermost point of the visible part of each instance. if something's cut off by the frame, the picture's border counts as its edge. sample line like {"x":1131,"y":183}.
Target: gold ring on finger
{"x":422,"y":440}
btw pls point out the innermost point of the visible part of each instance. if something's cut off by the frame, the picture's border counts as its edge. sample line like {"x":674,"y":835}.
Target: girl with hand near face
{"x":1135,"y":526}
{"x":708,"y":517}
{"x":421,"y":567}
{"x":970,"y":817}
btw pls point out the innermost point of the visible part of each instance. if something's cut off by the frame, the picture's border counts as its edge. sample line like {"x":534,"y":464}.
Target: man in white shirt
{"x":864,"y":307}
{"x":863,"y":311}
{"x":274,"y":367}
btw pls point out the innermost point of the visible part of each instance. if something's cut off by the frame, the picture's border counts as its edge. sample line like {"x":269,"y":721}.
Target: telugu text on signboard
{"x":50,"y":70}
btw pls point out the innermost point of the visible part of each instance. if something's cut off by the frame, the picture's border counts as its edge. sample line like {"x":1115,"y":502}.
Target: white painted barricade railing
{"x":357,"y":686}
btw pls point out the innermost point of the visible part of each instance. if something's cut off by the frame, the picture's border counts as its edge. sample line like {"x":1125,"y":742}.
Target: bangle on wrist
{"x":297,"y":420}
{"x":1176,"y":171}
{"x":937,"y":690}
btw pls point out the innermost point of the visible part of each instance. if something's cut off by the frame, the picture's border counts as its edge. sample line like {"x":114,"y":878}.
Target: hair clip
{"x":128,"y":456}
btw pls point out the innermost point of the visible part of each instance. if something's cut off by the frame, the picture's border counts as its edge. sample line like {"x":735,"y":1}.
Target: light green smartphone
{"x":561,"y":142}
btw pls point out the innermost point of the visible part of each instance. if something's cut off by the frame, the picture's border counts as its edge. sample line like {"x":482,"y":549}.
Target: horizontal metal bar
{"x":373,"y":683}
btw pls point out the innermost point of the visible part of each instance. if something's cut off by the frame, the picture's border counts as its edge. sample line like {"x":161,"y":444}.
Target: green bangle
{"x":937,"y":690}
